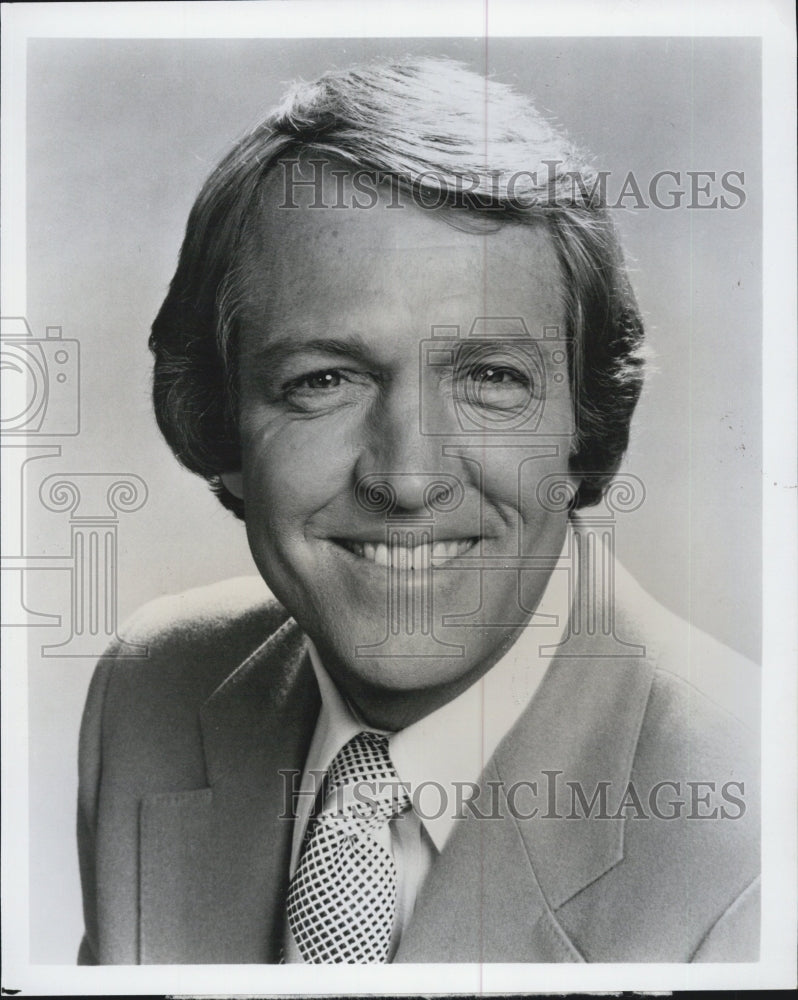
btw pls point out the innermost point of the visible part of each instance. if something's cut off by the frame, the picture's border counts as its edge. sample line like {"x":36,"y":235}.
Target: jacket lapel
{"x":214,"y":861}
{"x":482,"y":901}
{"x":493,"y":894}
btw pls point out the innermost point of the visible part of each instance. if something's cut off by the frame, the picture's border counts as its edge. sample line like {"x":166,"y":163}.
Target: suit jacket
{"x":184,"y":844}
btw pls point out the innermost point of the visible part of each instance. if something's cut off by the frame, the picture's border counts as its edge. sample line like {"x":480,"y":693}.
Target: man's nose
{"x":398,"y":451}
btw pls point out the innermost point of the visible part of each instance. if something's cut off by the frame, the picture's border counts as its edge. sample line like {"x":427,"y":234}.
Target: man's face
{"x":355,"y":404}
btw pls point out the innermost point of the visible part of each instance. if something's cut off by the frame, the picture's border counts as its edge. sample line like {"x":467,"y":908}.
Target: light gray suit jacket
{"x":184,"y":856}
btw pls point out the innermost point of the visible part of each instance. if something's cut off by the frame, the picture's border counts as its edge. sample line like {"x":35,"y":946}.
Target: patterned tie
{"x":342,"y":898}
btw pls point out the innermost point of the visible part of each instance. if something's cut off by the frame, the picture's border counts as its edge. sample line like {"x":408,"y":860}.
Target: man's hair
{"x":443,"y":135}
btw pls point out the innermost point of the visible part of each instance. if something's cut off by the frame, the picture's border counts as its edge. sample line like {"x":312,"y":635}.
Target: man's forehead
{"x":329,"y":199}
{"x":327,"y":250}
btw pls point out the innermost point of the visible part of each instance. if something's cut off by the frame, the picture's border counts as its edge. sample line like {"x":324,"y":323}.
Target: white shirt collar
{"x":455,"y":742}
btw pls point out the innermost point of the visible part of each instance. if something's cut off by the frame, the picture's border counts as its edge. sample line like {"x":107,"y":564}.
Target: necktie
{"x":342,"y":898}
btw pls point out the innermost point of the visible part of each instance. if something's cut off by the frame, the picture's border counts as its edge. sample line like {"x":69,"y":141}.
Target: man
{"x":401,"y":345}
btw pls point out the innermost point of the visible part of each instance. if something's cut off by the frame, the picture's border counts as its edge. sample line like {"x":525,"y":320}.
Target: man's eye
{"x":497,"y":375}
{"x":329,"y":379}
{"x":494,"y":386}
{"x":326,"y":388}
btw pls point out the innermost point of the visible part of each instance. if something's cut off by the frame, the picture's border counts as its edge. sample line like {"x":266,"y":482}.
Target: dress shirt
{"x":443,"y":750}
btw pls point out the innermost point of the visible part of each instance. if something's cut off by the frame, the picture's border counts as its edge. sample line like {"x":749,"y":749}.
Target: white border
{"x":774,"y":22}
{"x":779,"y":492}
{"x":398,"y":18}
{"x":13,"y":676}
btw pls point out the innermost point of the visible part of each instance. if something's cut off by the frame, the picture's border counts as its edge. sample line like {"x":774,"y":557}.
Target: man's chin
{"x":393,"y":689}
{"x":384,"y":666}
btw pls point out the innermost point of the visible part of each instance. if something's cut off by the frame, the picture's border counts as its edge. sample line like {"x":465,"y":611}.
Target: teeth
{"x":414,"y":559}
{"x":444,"y":550}
{"x":421,"y":556}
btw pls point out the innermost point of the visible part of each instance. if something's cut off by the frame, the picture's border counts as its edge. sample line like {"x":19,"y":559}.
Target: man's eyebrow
{"x":281,"y":349}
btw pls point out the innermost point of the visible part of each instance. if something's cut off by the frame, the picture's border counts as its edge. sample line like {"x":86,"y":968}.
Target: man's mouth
{"x":407,"y":557}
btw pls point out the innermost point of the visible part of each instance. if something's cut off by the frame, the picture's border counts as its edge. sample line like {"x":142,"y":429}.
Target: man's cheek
{"x":284,"y":476}
{"x":511,"y":476}
{"x":298,"y":448}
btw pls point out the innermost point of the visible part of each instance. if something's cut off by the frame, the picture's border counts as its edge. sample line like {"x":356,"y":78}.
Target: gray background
{"x":121,"y":134}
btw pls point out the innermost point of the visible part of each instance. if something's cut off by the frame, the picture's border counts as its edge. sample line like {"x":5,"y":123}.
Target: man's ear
{"x":234,"y":483}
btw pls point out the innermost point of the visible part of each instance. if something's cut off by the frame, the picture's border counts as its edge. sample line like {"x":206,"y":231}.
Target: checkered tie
{"x":342,"y":898}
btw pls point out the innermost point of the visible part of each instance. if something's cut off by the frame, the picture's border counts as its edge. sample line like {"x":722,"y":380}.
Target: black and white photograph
{"x":399,"y":493}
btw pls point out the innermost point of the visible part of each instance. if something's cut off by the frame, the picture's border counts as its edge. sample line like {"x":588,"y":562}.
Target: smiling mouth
{"x":405,"y":557}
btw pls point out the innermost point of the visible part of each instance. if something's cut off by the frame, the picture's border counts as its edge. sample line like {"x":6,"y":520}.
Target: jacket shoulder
{"x":207,"y":631}
{"x":204,"y":613}
{"x":141,"y":735}
{"x":148,"y":705}
{"x":689,"y":851}
{"x":688,"y":660}
{"x":700,"y":734}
